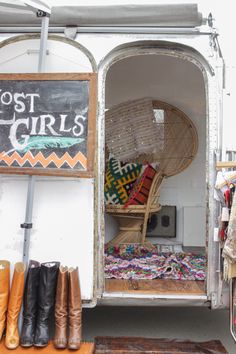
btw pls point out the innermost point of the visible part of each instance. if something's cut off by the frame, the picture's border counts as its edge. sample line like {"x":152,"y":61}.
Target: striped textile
{"x":141,"y":188}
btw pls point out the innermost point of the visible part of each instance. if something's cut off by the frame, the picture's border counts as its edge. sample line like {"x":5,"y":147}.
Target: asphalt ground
{"x":196,"y":324}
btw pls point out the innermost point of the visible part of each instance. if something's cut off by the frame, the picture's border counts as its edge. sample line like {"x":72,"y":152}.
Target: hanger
{"x":226,"y":164}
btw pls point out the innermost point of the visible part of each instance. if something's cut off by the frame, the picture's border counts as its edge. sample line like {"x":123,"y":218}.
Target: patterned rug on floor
{"x":139,"y":345}
{"x":141,"y":262}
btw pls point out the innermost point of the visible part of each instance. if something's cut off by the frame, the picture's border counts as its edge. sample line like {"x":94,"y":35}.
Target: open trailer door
{"x":181,"y":68}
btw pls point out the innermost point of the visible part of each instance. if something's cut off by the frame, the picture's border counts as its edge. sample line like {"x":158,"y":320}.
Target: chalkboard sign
{"x":47,"y":124}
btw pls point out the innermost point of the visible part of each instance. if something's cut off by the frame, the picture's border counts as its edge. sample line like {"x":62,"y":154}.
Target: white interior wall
{"x":63,"y":214}
{"x":180,"y":83}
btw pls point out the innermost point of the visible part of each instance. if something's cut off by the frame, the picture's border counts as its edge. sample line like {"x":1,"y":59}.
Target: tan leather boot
{"x":75,"y":310}
{"x":4,"y":292}
{"x":61,"y":309}
{"x":14,"y":306}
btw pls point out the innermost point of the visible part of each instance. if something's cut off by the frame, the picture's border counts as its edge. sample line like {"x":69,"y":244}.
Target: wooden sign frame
{"x":91,"y":125}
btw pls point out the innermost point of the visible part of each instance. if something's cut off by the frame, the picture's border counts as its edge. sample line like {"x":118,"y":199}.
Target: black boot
{"x":30,"y":304}
{"x":46,"y":301}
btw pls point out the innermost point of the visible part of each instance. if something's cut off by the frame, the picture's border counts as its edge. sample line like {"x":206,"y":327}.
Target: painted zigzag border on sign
{"x":44,"y":161}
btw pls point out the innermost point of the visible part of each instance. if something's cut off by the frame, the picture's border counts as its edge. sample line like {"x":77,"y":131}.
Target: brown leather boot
{"x":4,"y":292}
{"x":75,"y":310}
{"x":14,"y":306}
{"x":61,"y":309}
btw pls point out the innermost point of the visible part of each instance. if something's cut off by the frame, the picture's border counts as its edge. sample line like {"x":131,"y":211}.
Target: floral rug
{"x":140,"y":262}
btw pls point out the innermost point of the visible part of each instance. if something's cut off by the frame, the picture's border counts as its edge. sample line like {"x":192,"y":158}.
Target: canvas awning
{"x":156,"y":15}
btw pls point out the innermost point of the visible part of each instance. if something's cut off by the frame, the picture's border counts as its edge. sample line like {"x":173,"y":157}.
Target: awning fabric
{"x":167,"y":15}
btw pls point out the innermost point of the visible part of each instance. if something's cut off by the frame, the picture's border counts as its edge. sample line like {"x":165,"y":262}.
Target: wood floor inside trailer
{"x":156,"y":286}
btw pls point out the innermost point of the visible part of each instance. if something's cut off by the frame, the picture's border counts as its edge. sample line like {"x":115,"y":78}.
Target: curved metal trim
{"x":149,"y":47}
{"x":53,"y":37}
{"x":155,"y":47}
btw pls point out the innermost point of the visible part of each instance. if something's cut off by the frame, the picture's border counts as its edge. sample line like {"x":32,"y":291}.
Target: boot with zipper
{"x":61,"y":309}
{"x":14,"y":305}
{"x":30,"y":304}
{"x":46,"y":301}
{"x":75,"y":310}
{"x":4,"y":293}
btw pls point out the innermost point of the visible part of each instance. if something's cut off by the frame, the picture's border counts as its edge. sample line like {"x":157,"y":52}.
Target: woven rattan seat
{"x":133,"y":219}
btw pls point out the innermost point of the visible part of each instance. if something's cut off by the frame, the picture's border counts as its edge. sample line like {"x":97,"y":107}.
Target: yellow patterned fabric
{"x":119,"y":180}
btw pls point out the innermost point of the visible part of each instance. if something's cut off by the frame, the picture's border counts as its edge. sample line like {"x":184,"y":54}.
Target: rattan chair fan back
{"x":150,"y":131}
{"x":147,"y":130}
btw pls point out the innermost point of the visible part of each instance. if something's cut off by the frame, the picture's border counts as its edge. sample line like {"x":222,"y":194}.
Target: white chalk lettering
{"x":63,"y":122}
{"x":79,"y":126}
{"x":15,"y":143}
{"x":8,"y":121}
{"x":19,"y":105}
{"x":43,"y":124}
{"x":32,"y":96}
{"x":4,"y":99}
{"x":34,"y":125}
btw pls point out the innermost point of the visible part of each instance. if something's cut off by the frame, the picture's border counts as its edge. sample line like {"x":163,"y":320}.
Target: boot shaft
{"x":46,"y":300}
{"x":14,"y":306}
{"x":31,"y":290}
{"x":61,"y":309}
{"x":16,"y":292}
{"x":4,"y":276}
{"x":75,"y":303}
{"x":4,"y":281}
{"x":75,"y":310}
{"x":61,"y":305}
{"x":47,"y":288}
{"x":4,"y":292}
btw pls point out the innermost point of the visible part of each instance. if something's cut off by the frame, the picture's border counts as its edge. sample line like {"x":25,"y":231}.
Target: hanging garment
{"x":229,"y":250}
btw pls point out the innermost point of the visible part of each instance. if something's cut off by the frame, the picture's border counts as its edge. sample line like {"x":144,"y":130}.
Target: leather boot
{"x":75,"y":310}
{"x":14,"y":306}
{"x":61,"y":309}
{"x":46,"y":301}
{"x":4,"y":293}
{"x":30,"y":304}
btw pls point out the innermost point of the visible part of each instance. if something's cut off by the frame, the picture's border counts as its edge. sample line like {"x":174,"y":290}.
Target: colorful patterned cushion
{"x":119,"y":179}
{"x":141,"y":188}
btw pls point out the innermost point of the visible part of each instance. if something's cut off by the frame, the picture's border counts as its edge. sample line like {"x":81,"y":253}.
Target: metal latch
{"x":26,"y":225}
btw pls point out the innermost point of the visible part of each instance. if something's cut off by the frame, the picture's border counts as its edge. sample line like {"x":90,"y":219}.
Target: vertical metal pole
{"x":27,"y":225}
{"x":43,"y":43}
{"x":28,"y":218}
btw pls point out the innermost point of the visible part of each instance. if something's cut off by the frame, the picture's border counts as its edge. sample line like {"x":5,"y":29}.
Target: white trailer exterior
{"x":68,"y":213}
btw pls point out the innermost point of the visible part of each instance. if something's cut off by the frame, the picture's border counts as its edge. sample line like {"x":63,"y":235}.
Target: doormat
{"x":85,"y":348}
{"x":140,"y":262}
{"x":132,"y":345}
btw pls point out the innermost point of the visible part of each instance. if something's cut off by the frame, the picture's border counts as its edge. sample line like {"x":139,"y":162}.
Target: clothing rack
{"x":225,"y":164}
{"x":232,"y":285}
